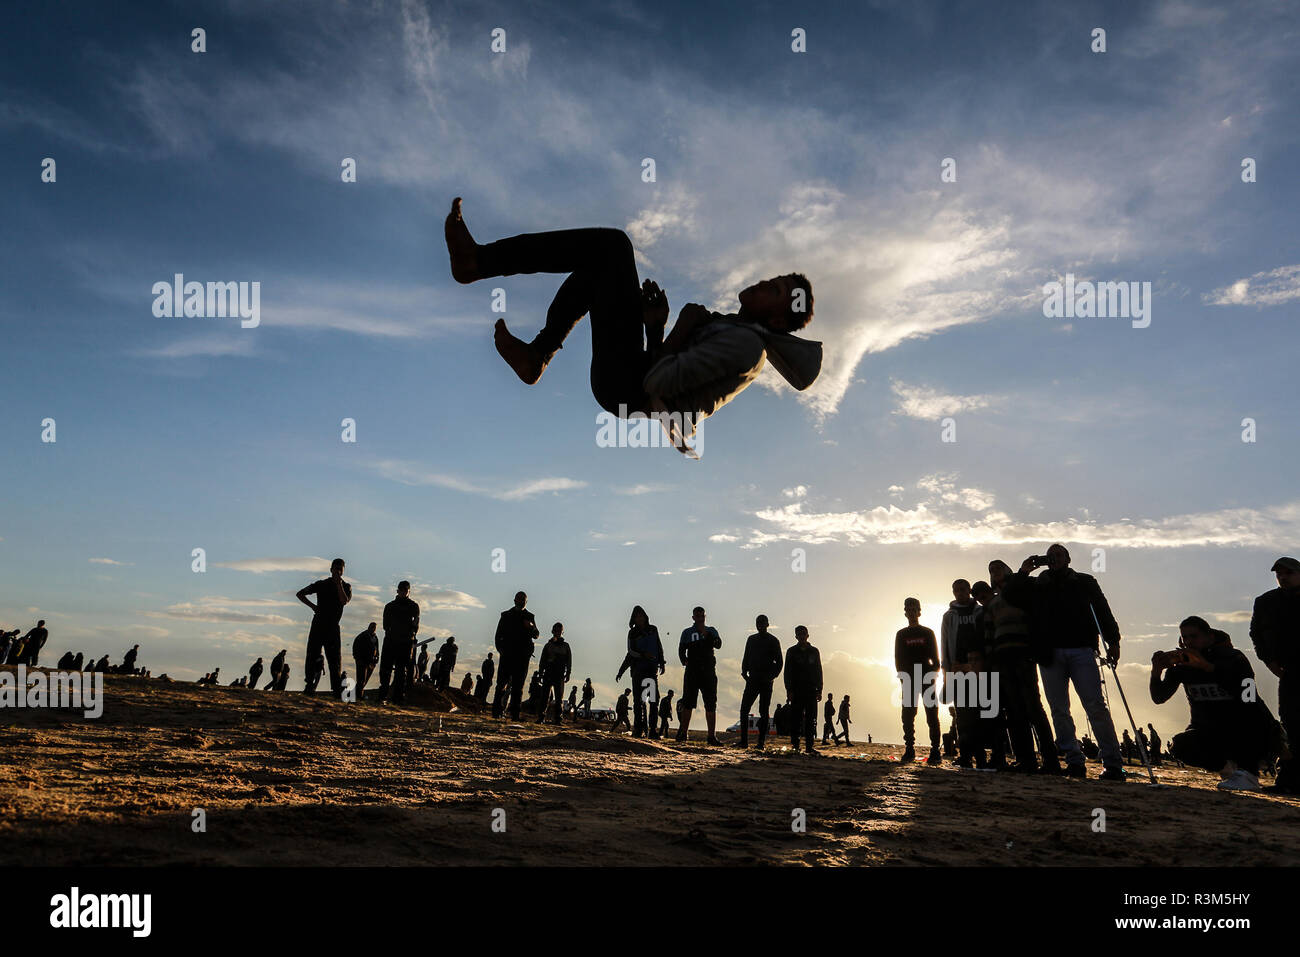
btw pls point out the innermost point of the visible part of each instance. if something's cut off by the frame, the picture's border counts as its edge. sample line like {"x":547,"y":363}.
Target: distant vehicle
{"x":753,"y":725}
{"x":601,"y":714}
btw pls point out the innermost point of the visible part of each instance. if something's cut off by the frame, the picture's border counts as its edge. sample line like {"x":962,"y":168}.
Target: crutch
{"x":1124,"y":698}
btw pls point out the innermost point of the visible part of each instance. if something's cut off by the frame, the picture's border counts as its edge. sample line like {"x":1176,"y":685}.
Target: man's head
{"x":41,"y":623}
{"x":912,"y":609}
{"x":520,"y":599}
{"x":373,"y":625}
{"x":557,"y":630}
{"x":999,"y":572}
{"x":983,"y":592}
{"x":761,"y":622}
{"x":961,"y":591}
{"x":697,"y":616}
{"x":801,"y":634}
{"x":782,"y":303}
{"x":1197,"y":633}
{"x":336,"y":566}
{"x":403,"y":588}
{"x":1288,"y":573}
{"x":1058,"y":558}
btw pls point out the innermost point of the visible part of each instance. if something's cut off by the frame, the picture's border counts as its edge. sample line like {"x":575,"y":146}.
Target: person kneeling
{"x":1231,"y":731}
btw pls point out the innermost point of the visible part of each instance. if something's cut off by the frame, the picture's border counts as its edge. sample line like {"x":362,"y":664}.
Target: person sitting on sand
{"x":707,"y":360}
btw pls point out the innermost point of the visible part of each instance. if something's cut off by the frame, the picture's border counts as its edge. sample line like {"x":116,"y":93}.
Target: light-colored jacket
{"x":722,"y":357}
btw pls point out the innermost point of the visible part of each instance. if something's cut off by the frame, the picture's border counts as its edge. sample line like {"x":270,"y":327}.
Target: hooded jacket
{"x":1275,"y":626}
{"x":722,"y":357}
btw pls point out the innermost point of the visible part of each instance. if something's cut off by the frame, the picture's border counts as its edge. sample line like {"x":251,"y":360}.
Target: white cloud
{"x":923,"y":402}
{"x":409,"y":473}
{"x":258,"y":566}
{"x":108,"y":561}
{"x":1262,"y":289}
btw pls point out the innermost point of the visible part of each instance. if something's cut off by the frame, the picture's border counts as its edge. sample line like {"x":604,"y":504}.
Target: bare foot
{"x":523,"y":357}
{"x":461,"y":246}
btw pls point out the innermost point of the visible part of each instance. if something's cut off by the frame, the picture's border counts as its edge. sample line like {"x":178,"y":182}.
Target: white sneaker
{"x":1240,"y":781}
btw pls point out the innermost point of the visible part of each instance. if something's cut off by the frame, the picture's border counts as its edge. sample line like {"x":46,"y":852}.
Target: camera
{"x":1176,"y":657}
{"x":1038,"y":561}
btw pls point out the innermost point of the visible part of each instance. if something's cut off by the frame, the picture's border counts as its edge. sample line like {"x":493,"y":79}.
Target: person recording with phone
{"x":1232,"y":731}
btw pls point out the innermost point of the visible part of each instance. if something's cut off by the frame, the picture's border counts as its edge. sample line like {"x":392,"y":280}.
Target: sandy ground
{"x":285,"y":779}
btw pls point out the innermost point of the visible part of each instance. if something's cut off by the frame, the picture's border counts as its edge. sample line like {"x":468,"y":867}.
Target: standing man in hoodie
{"x":556,"y":663}
{"x":516,"y":632}
{"x":759,"y":667}
{"x":803,"y":688}
{"x":401,"y":624}
{"x":916,"y":659}
{"x":1066,"y":608}
{"x":1275,"y":630}
{"x":961,"y":637}
{"x":706,"y":361}
{"x":695,"y":649}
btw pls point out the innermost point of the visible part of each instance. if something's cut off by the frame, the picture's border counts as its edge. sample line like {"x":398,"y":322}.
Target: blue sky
{"x":180,"y":433}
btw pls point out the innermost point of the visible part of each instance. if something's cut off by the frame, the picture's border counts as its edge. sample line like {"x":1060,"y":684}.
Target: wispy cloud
{"x":410,"y":473}
{"x":923,"y":402}
{"x":1270,"y":288}
{"x":258,"y":566}
{"x":108,"y":561}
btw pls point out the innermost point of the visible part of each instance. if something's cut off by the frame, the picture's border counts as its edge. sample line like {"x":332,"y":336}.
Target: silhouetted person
{"x":1275,"y":631}
{"x":1067,"y":607}
{"x":961,"y":636}
{"x":621,"y":709}
{"x":8,"y":639}
{"x":1231,"y":732}
{"x":316,"y":671}
{"x":324,"y":639}
{"x":281,"y":682}
{"x":707,"y":360}
{"x":588,"y":694}
{"x":845,"y":721}
{"x":556,"y":662}
{"x":277,"y":666}
{"x":803,"y":688}
{"x":534,"y":692}
{"x":665,"y":712}
{"x":1126,"y":748}
{"x":365,"y":656}
{"x":102,"y":664}
{"x":467,"y":685}
{"x":447,"y":655}
{"x":828,"y":718}
{"x":516,"y":632}
{"x":255,"y":673}
{"x":401,"y":624}
{"x":572,"y":707}
{"x":77,"y":661}
{"x":488,"y":670}
{"x":33,"y":642}
{"x":65,"y":663}
{"x":1089,"y":748}
{"x":1155,"y":753}
{"x":916,"y":660}
{"x":128,"y":660}
{"x":422,"y":664}
{"x":759,"y":666}
{"x":1010,"y":635}
{"x":695,"y":649}
{"x":645,"y":658}
{"x":779,"y":721}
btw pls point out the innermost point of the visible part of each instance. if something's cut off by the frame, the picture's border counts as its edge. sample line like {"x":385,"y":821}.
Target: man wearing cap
{"x":1275,"y":630}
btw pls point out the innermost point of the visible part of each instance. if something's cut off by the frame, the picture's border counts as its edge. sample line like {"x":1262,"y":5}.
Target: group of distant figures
{"x":1000,"y":635}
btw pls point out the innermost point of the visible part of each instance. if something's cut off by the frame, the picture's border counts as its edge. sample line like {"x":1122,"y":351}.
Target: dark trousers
{"x":645,"y":694}
{"x":324,"y":637}
{"x":828,"y":728}
{"x":511,"y":676}
{"x":365,"y":668}
{"x":551,"y":683}
{"x":397,"y":655}
{"x":603,"y":282}
{"x":1026,"y":718}
{"x":762,"y":690}
{"x":1211,"y":748}
{"x":663,"y":725}
{"x":1288,"y":712}
{"x":909,"y":718}
{"x":802,"y":719}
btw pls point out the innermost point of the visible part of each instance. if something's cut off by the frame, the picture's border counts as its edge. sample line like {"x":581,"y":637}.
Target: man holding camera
{"x":1067,"y":609}
{"x":1275,"y":630}
{"x":1231,"y":731}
